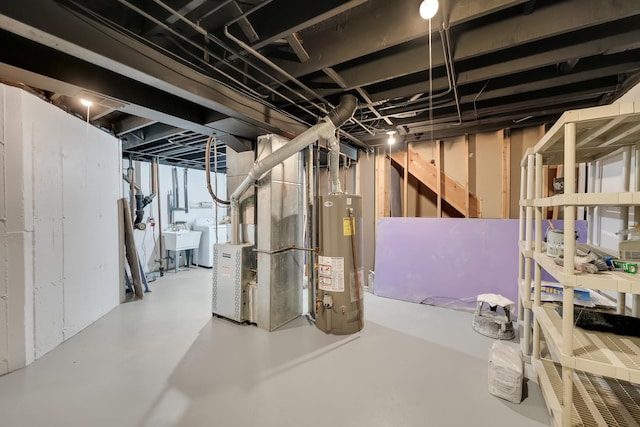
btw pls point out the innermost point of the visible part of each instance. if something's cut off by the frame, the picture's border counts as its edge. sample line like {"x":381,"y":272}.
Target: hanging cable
{"x":431,"y":87}
{"x":207,"y":162}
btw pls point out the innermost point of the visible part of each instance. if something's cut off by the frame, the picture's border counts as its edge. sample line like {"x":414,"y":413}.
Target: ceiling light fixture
{"x":428,"y":9}
{"x":392,"y":138}
{"x":87,"y":104}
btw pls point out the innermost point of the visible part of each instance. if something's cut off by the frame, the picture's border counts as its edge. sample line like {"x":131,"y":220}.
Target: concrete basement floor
{"x":165,"y":362}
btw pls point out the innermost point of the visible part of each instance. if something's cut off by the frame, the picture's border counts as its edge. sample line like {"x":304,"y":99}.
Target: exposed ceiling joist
{"x":555,"y":19}
{"x":132,"y":124}
{"x":380,"y":25}
{"x":516,"y":63}
{"x":244,"y":23}
{"x":299,"y":15}
{"x":59,"y":28}
{"x":296,"y":46}
{"x":414,"y":60}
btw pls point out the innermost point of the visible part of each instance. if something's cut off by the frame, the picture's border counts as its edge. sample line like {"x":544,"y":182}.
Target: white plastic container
{"x":506,"y":372}
{"x":555,"y":242}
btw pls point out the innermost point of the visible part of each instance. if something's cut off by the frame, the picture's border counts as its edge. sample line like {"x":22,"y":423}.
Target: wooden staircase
{"x":452,"y":191}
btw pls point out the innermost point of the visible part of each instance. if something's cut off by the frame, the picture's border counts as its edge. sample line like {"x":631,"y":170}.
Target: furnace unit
{"x":233,"y":269}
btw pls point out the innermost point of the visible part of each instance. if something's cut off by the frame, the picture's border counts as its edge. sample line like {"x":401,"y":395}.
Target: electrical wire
{"x":475,"y":110}
{"x":431,"y":300}
{"x":430,"y":86}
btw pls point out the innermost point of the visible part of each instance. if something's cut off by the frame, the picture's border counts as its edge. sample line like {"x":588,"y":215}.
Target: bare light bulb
{"x":86,"y":102}
{"x":392,"y":138}
{"x":428,"y":9}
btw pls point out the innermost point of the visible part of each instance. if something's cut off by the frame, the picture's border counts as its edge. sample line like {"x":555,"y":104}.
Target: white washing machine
{"x":208,"y":238}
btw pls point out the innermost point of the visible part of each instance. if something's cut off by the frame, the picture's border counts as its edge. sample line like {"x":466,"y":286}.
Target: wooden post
{"x":466,"y":175}
{"x":382,"y":178}
{"x":506,"y":173}
{"x":439,"y":178}
{"x":405,"y":188}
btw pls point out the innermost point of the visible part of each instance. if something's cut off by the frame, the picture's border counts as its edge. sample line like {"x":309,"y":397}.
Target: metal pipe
{"x":279,"y":251}
{"x":186,"y":194}
{"x":290,"y":77}
{"x":194,"y":44}
{"x":453,"y":74}
{"x":207,"y":164}
{"x":215,"y":182}
{"x":170,"y":206}
{"x":257,"y":96}
{"x":334,"y":165}
{"x":176,"y":189}
{"x":161,"y":267}
{"x":369,"y":105}
{"x":324,"y":129}
{"x":215,"y":9}
{"x":128,"y":181}
{"x":250,"y":11}
{"x":449,"y":79}
{"x":311,"y":297}
{"x":316,"y":215}
{"x":132,"y":185}
{"x":219,"y":42}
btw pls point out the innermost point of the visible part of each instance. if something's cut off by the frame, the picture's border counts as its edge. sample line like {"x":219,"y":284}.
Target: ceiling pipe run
{"x":293,"y":79}
{"x":325,"y":129}
{"x":196,"y":26}
{"x":567,"y":67}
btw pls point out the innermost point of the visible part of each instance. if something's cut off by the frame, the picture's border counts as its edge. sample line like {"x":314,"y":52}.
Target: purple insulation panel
{"x":448,"y":261}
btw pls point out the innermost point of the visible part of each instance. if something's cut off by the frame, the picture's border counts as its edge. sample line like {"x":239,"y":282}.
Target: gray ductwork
{"x":334,"y":164}
{"x":344,"y":111}
{"x":325,"y":129}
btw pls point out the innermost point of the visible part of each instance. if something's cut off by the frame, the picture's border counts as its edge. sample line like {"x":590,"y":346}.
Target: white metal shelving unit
{"x":588,"y":378}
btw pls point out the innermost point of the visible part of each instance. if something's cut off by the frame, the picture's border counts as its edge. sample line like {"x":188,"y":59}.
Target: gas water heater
{"x":340,"y":289}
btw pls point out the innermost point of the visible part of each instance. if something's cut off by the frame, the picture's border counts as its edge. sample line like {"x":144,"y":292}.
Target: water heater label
{"x":348,"y":224}
{"x":328,"y":204}
{"x":331,"y":273}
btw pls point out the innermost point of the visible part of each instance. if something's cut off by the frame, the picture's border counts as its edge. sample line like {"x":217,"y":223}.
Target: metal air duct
{"x":325,"y":129}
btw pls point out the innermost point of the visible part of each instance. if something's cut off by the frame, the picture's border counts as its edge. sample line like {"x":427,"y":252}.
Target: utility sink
{"x":181,"y":240}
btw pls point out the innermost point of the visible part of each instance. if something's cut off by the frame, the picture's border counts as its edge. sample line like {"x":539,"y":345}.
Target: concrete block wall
{"x":60,"y":182}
